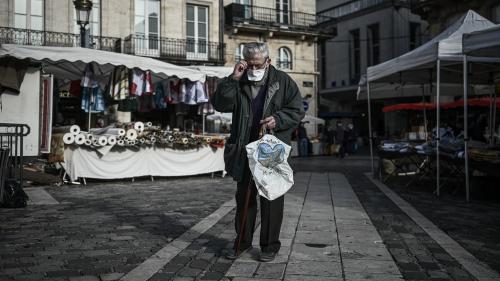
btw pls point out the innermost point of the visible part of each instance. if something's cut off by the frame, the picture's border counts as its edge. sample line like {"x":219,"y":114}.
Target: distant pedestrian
{"x":303,"y":141}
{"x":258,"y":95}
{"x":339,"y":139}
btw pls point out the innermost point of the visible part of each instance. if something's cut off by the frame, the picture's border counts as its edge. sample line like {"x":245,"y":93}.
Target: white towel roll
{"x":149,"y":124}
{"x":141,"y":140}
{"x":139,"y":126}
{"x":153,"y":139}
{"x":111,"y":140}
{"x":102,"y":140}
{"x":68,"y":138}
{"x":75,"y":130}
{"x":80,"y":139}
{"x":185,"y":140}
{"x":131,"y":134}
{"x":90,"y":137}
{"x":95,"y":142}
{"x":120,"y":142}
{"x":88,"y":142}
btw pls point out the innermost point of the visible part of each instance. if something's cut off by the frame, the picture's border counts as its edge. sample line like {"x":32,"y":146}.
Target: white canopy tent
{"x":485,"y":43}
{"x":70,"y":62}
{"x":425,"y":63}
{"x":213,"y":71}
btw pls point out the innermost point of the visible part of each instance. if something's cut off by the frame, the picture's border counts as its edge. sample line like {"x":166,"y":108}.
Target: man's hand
{"x":270,"y":122}
{"x":239,"y":69}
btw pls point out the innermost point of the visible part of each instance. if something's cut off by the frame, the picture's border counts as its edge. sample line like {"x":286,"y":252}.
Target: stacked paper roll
{"x":131,"y":134}
{"x":185,"y":140}
{"x":112,"y":140}
{"x":116,"y":131}
{"x":80,"y":139}
{"x":95,"y":142}
{"x":68,"y":138}
{"x":120,"y":142}
{"x":88,"y":142}
{"x":102,"y":140}
{"x":149,"y":124}
{"x":75,"y":130}
{"x":139,"y":126}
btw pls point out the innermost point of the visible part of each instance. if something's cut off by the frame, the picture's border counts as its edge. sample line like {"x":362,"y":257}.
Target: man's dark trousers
{"x":270,"y":219}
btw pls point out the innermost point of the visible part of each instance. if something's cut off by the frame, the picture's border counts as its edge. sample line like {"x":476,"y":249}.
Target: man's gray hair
{"x":253,"y":48}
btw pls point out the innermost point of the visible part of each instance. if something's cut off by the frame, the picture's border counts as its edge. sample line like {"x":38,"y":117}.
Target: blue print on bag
{"x":271,"y":156}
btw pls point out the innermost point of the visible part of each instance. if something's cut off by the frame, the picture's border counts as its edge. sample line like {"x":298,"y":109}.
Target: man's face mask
{"x":256,"y":73}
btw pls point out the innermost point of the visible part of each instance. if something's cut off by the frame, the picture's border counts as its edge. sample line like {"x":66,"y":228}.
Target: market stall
{"x":483,"y":43}
{"x":438,"y":60}
{"x":104,"y":80}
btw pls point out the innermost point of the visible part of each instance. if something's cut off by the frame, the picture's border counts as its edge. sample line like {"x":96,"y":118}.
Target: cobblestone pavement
{"x":103,"y":229}
{"x":338,"y":226}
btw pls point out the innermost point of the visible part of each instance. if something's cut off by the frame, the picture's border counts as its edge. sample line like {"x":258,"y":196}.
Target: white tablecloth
{"x":147,"y":161}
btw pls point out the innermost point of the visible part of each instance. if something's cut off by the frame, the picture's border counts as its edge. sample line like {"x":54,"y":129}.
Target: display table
{"x":82,"y":162}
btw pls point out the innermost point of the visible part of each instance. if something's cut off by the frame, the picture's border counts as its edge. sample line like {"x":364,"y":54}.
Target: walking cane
{"x":262,"y":131}
{"x":245,"y":214}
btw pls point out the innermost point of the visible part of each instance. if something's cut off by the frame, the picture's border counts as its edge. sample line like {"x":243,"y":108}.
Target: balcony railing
{"x":239,"y":13}
{"x":354,"y":6}
{"x":9,"y":35}
{"x":175,"y":50}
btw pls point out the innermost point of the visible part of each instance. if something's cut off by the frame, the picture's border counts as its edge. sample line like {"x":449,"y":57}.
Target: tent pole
{"x":438,"y":135}
{"x":370,"y":133}
{"x":425,"y":111}
{"x":466,"y":135}
{"x":203,"y":116}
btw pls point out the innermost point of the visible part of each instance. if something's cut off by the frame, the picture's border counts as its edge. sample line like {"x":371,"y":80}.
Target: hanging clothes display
{"x":148,"y":83}
{"x":119,"y":83}
{"x":137,"y":85}
{"x":205,"y":108}
{"x":159,"y":97}
{"x":173,"y":95}
{"x":190,"y":96}
{"x":201,"y":94}
{"x":93,"y":98}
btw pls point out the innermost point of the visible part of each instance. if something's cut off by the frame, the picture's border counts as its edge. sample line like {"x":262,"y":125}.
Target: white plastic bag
{"x":267,"y":158}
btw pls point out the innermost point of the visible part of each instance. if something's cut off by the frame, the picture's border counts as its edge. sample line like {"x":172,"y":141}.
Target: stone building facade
{"x":185,"y":32}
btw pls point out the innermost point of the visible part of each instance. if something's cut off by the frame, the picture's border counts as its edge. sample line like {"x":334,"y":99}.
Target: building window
{"x":284,"y":58}
{"x":238,"y":53}
{"x":247,"y":7}
{"x":354,"y":57}
{"x":197,"y":31}
{"x":496,"y":14}
{"x":415,"y":35}
{"x":147,"y":24}
{"x":373,"y":44}
{"x":282,"y":11}
{"x":93,"y":28}
{"x":28,"y":14}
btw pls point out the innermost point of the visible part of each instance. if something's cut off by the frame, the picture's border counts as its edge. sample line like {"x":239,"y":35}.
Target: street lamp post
{"x":83,"y":8}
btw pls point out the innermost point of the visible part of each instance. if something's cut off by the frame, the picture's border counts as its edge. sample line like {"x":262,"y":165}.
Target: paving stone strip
{"x":475,"y":267}
{"x":362,"y":251}
{"x":156,"y":262}
{"x":38,"y":196}
{"x":326,"y":235}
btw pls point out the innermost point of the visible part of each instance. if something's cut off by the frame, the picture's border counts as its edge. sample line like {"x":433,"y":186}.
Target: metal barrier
{"x":11,"y":152}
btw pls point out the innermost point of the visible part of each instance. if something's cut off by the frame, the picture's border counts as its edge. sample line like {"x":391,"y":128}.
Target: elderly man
{"x":258,"y":95}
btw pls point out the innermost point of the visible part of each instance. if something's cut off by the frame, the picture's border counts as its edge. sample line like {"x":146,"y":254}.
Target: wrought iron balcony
{"x":9,"y":35}
{"x":249,"y":16}
{"x":180,"y":51}
{"x":355,"y":6}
